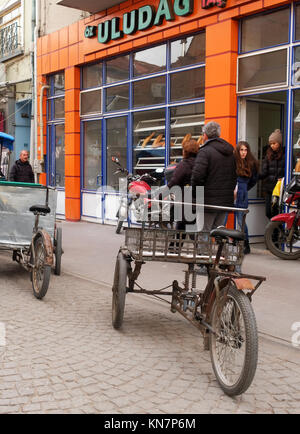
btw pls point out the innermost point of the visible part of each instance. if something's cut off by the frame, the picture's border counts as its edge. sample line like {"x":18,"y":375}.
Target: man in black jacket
{"x":21,"y":171}
{"x":215,"y":169}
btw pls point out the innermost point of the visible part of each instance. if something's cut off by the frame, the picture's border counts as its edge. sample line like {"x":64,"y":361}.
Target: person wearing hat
{"x":273,"y":168}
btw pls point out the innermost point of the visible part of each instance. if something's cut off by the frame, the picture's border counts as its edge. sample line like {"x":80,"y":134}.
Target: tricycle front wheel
{"x":119,"y":291}
{"x":234,"y":346}
{"x":40,"y":274}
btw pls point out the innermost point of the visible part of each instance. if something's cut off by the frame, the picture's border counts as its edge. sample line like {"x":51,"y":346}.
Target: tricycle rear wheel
{"x":119,"y":291}
{"x":40,"y":274}
{"x":58,"y":251}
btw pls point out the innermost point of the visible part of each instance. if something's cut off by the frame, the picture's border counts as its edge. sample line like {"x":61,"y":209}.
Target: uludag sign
{"x":144,"y":18}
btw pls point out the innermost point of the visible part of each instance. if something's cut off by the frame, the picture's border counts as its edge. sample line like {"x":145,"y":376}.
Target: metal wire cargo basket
{"x":179,"y":246}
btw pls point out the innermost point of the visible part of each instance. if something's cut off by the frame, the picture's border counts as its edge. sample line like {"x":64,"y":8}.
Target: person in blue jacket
{"x":247,"y":176}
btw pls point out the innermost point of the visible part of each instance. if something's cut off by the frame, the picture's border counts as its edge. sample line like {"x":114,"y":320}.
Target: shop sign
{"x":144,"y":18}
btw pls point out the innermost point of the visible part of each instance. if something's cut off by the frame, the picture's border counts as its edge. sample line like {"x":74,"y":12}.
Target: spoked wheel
{"x":58,"y":251}
{"x":234,"y":347}
{"x":40,"y":275}
{"x":119,"y":291}
{"x":280,"y":242}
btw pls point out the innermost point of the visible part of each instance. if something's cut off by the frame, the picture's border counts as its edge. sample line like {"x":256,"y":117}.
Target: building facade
{"x":132,"y":80}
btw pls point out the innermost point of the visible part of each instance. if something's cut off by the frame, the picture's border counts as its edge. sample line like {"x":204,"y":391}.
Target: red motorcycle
{"x":282,"y":235}
{"x":138,"y":197}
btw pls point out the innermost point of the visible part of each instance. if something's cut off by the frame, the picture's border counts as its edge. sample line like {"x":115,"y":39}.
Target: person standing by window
{"x":247,"y":175}
{"x":273,"y":168}
{"x":21,"y":171}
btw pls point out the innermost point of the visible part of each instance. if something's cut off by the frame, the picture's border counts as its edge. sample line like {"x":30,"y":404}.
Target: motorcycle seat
{"x":225,"y":233}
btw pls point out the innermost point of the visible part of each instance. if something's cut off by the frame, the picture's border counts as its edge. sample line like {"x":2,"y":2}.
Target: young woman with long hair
{"x":247,"y":175}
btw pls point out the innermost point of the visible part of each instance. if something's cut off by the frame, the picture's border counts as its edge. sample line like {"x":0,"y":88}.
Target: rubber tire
{"x":58,"y":251}
{"x":40,"y":291}
{"x":271,"y":226}
{"x":119,"y":226}
{"x":251,"y":337}
{"x":119,"y":291}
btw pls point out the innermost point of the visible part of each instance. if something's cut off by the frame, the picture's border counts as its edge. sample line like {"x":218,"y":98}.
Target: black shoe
{"x":246,"y":248}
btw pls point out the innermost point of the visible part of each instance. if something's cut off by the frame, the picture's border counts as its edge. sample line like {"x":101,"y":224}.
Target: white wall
{"x":55,"y":17}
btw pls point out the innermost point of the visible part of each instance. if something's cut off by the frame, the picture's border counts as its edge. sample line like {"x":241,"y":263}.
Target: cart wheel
{"x":234,"y":347}
{"x":40,"y":275}
{"x":119,"y":226}
{"x":119,"y":291}
{"x":58,"y":251}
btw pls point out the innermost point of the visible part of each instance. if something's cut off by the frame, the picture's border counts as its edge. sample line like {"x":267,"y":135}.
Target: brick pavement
{"x":63,"y":356}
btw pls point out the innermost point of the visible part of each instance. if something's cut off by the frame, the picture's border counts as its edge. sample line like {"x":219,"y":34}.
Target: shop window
{"x":117,"y":98}
{"x":58,"y":83}
{"x":149,"y":61}
{"x":92,"y":76}
{"x":60,"y":155}
{"x":188,"y":84}
{"x":186,"y":122}
{"x":265,"y":30}
{"x":92,"y":155}
{"x":59,"y":108}
{"x":56,"y":129}
{"x":149,"y":92}
{"x":149,"y":141}
{"x":296,"y":67}
{"x":117,"y":69}
{"x":188,"y":51}
{"x":296,"y":131}
{"x":116,"y":139}
{"x":262,"y":70}
{"x":297,"y":22}
{"x":91,"y":102}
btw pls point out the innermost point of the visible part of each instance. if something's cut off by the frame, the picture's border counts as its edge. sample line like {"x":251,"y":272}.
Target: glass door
{"x":57,"y":156}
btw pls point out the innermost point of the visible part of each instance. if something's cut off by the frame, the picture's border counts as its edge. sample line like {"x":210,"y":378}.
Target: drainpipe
{"x":42,"y":124}
{"x":32,"y":55}
{"x":37,"y":8}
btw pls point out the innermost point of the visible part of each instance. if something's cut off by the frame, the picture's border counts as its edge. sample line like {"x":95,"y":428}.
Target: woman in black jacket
{"x":273,"y":168}
{"x":182,"y":174}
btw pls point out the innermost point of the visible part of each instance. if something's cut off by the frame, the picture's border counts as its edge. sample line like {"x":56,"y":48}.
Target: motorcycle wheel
{"x":276,"y":240}
{"x":119,"y":226}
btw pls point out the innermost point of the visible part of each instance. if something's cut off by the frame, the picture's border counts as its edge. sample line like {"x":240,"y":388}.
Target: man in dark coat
{"x":215,"y":169}
{"x":21,"y":171}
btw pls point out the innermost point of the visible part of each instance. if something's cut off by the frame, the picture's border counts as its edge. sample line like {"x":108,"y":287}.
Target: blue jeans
{"x":239,"y":217}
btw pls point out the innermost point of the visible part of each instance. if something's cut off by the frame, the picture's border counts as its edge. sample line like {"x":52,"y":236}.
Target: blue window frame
{"x":139,"y":88}
{"x":56,"y":130}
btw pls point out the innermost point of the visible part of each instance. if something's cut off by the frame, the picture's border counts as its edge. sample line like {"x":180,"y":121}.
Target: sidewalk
{"x":91,"y":249}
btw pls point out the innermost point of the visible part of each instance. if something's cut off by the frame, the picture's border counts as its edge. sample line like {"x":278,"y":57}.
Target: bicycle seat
{"x":40,"y":209}
{"x":225,"y":233}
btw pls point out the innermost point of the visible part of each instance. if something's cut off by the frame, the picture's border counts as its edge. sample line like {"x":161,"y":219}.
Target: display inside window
{"x":116,"y":139}
{"x":117,"y":69}
{"x":149,"y":92}
{"x":91,"y":102}
{"x":92,"y":155}
{"x":92,"y":76}
{"x":188,"y":51}
{"x":188,"y":84}
{"x":265,"y":30}
{"x":149,"y":141}
{"x":149,"y":61}
{"x":296,"y":67}
{"x":186,"y":123}
{"x":263,"y":70}
{"x":117,"y":98}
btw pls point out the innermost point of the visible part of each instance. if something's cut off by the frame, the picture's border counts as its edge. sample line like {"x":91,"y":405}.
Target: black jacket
{"x":272,"y":170}
{"x":183,"y":172}
{"x":21,"y":172}
{"x":215,"y":169}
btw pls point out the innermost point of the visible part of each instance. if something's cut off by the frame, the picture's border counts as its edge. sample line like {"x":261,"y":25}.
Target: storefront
{"x":133,"y":80}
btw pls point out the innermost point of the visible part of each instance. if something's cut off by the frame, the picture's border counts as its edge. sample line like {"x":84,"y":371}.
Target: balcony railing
{"x":9,"y":40}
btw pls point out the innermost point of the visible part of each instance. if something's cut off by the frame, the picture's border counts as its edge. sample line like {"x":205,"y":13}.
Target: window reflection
{"x":188,"y":51}
{"x":92,"y":76}
{"x":149,"y":61}
{"x":117,"y":69}
{"x":188,"y":84}
{"x":116,"y":140}
{"x":60,"y":155}
{"x":91,"y":102}
{"x":92,"y":155}
{"x":117,"y":98}
{"x":149,"y":92}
